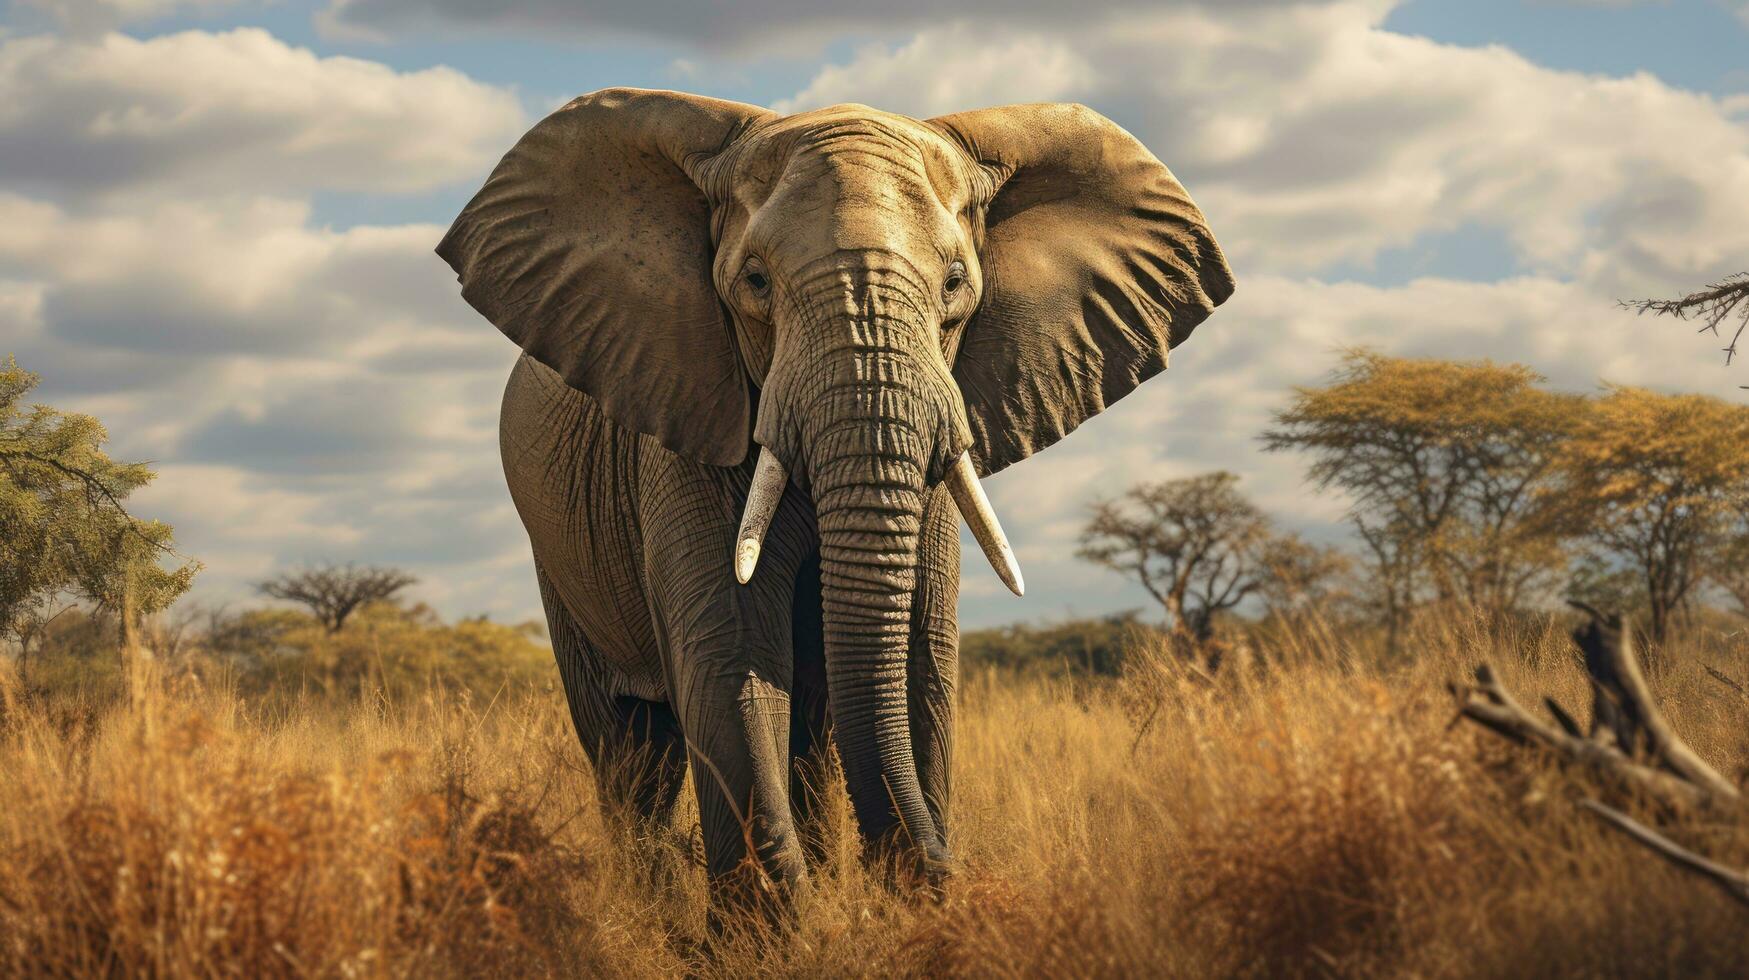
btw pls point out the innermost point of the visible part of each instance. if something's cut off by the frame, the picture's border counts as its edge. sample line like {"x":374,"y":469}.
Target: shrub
{"x":1094,"y":647}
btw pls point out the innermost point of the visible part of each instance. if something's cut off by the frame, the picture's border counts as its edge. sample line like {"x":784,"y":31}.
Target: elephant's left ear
{"x":1095,"y":263}
{"x":590,"y":246}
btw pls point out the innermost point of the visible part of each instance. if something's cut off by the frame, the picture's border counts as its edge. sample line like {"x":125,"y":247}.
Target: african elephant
{"x":880,"y":306}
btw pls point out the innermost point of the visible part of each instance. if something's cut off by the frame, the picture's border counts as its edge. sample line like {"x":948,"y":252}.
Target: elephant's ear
{"x":1095,"y":263}
{"x":590,"y":246}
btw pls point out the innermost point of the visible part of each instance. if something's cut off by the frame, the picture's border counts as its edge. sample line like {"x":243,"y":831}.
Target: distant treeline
{"x":1471,"y":484}
{"x":386,"y":648}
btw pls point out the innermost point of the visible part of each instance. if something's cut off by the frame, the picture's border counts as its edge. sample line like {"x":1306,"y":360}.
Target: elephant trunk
{"x":868,"y":423}
{"x":868,"y":474}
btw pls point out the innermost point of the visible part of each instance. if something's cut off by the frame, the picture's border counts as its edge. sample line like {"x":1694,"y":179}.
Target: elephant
{"x":765,"y":359}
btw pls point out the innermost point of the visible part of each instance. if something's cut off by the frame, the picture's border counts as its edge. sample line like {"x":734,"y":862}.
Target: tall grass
{"x":1306,"y":811}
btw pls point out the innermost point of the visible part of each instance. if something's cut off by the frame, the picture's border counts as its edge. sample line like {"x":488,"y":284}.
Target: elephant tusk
{"x":968,"y":494}
{"x":763,"y":494}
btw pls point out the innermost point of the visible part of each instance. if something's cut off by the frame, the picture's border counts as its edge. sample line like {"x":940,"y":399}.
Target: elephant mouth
{"x":770,"y":478}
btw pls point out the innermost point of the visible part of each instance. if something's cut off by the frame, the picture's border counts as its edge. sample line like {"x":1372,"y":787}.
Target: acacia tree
{"x":1299,"y":575}
{"x":1719,"y":302}
{"x":1663,"y":477}
{"x":1448,"y":464}
{"x":1194,"y":544}
{"x":333,"y":592}
{"x":1397,"y":552}
{"x":1729,"y":569}
{"x":65,"y":535}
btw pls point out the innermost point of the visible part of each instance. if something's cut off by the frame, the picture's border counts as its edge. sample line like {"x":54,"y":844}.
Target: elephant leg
{"x":811,"y":769}
{"x":635,"y":746}
{"x":726,"y":657}
{"x":933,"y":671}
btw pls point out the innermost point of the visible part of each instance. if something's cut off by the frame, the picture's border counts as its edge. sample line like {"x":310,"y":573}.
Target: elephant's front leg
{"x":727,"y":660}
{"x":811,"y":765}
{"x":933,"y":672}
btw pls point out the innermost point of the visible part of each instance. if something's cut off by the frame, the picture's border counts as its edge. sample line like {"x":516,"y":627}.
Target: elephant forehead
{"x":855,"y":196}
{"x":847,"y":121}
{"x":849,"y":206}
{"x":853,"y":148}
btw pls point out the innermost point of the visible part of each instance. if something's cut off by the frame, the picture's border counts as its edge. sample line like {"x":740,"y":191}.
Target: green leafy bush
{"x":1093,"y":647}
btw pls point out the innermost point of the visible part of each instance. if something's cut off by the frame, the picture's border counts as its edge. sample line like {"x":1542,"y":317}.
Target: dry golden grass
{"x":1314,"y":818}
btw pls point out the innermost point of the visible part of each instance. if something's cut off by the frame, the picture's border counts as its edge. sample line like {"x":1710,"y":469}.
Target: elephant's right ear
{"x":1095,"y":262}
{"x":590,"y":246}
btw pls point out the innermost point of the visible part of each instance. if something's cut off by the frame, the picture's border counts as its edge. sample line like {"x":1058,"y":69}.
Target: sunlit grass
{"x":1318,"y":816}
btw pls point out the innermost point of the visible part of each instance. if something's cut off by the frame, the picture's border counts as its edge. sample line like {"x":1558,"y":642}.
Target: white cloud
{"x":979,"y":70}
{"x":257,"y":341}
{"x":771,"y":26}
{"x":88,"y":18}
{"x":310,"y":394}
{"x":1314,"y":137}
{"x":234,"y":276}
{"x":199,"y":112}
{"x":467,"y":548}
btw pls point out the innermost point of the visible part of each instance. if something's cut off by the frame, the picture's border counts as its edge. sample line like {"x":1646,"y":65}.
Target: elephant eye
{"x":956,"y":278}
{"x":758,"y":281}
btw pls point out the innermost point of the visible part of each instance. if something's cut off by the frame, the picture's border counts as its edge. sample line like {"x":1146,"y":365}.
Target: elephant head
{"x":880,"y":303}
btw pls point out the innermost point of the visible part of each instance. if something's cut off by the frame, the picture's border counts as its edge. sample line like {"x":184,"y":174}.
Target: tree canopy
{"x":1663,"y":480}
{"x":1196,"y":545}
{"x":1471,"y":482}
{"x":1448,"y":464}
{"x":67,"y":535}
{"x":333,"y":592}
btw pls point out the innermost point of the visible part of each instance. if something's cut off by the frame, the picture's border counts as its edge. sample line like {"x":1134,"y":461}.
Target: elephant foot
{"x":910,"y":871}
{"x":749,"y":900}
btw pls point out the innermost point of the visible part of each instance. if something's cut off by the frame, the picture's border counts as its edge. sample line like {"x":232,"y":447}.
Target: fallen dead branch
{"x":1629,"y":742}
{"x":1727,"y":680}
{"x":1735,"y":883}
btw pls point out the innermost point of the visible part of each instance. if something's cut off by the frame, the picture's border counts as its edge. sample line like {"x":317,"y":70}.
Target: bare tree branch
{"x":1727,"y":680}
{"x":1734,"y":883}
{"x":1712,"y":306}
{"x":1616,"y":680}
{"x":1629,"y":741}
{"x":1490,"y":705}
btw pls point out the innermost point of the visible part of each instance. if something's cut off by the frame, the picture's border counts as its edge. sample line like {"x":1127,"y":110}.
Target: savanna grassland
{"x":1309,"y":810}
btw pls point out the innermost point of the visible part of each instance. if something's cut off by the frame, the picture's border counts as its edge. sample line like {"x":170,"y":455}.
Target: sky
{"x":217,"y":220}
